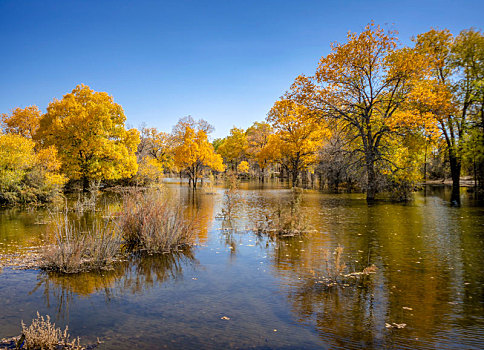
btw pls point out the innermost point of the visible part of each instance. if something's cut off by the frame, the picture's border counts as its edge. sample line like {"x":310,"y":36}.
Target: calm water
{"x":430,"y":276}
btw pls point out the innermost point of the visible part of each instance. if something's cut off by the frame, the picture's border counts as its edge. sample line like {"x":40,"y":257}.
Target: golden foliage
{"x":257,"y":138}
{"x":87,"y":128}
{"x":234,"y":147}
{"x":158,"y":145}
{"x":23,"y":121}
{"x":243,"y":167}
{"x":296,"y":139}
{"x":193,"y":152}
{"x":361,"y":86}
{"x":27,"y":176}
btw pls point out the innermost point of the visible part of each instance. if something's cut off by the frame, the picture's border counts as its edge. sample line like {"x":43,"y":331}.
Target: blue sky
{"x":224,"y":61}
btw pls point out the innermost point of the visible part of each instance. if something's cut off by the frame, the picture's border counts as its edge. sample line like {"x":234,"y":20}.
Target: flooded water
{"x":237,"y":290}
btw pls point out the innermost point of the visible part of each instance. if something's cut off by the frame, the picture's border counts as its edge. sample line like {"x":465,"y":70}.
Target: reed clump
{"x":232,"y":197}
{"x":42,"y":334}
{"x":77,"y":251}
{"x":147,"y":222}
{"x":151,"y":222}
{"x":209,"y":185}
{"x":285,"y":221}
{"x":335,"y":270}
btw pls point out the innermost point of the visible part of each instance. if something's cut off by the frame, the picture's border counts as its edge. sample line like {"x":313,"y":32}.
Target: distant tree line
{"x":374,"y":117}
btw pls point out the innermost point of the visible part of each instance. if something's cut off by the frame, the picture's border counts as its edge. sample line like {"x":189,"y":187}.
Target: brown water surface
{"x":430,"y":277}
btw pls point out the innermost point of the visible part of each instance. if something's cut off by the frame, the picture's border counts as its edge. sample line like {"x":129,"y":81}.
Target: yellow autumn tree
{"x":155,"y":155}
{"x":233,"y":148}
{"x":296,"y":140}
{"x":243,"y":167}
{"x":88,"y":130}
{"x":358,"y":87}
{"x":453,"y":93}
{"x":27,"y":176}
{"x":257,"y":138}
{"x":193,"y":152}
{"x":22,"y":121}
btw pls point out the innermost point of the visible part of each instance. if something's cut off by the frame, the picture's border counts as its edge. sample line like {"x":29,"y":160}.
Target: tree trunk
{"x":85,"y":184}
{"x":295,"y":178}
{"x":425,"y":162}
{"x":371,"y":178}
{"x":455,"y":167}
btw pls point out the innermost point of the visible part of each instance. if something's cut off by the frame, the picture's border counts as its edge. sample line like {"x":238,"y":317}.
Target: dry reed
{"x":42,"y":334}
{"x":150,"y":222}
{"x":335,"y":270}
{"x":75,"y":251}
{"x":284,"y":221}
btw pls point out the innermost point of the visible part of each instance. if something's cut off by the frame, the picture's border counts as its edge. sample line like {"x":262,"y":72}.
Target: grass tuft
{"x":335,"y":270}
{"x":42,"y":334}
{"x":284,"y":221}
{"x":152,"y":223}
{"x":76,"y":251}
{"x":147,"y":222}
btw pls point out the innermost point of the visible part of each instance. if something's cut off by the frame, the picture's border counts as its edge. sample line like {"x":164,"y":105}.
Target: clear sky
{"x":223,"y":61}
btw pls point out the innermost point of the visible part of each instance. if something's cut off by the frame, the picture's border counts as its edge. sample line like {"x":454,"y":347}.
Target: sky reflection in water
{"x":428,"y":254}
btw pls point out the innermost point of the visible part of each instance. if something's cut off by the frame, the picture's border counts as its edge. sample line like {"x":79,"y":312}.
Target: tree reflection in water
{"x":420,"y":280}
{"x":134,"y":275}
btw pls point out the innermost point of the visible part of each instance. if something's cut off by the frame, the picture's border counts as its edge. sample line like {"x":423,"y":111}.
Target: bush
{"x":42,"y":334}
{"x":75,"y":251}
{"x":148,"y":223}
{"x":152,"y":223}
{"x":284,"y":221}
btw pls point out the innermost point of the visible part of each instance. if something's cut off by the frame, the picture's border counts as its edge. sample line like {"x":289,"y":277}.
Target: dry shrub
{"x":335,"y":270}
{"x":42,"y":334}
{"x":75,"y":251}
{"x":151,"y":222}
{"x":232,"y":196}
{"x":334,"y":267}
{"x":85,"y":203}
{"x":209,"y":186}
{"x":285,"y":221}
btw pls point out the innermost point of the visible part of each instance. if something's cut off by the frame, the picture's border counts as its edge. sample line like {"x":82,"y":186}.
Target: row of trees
{"x":384,"y":98}
{"x":186,"y":150}
{"x":374,"y":110}
{"x":371,"y":116}
{"x":82,"y":138}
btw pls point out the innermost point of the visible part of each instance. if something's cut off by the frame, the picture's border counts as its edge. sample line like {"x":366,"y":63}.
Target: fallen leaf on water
{"x":395,"y":325}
